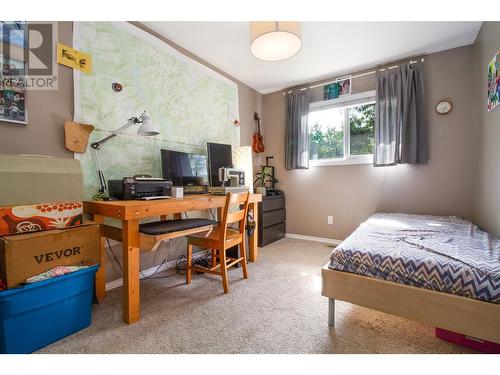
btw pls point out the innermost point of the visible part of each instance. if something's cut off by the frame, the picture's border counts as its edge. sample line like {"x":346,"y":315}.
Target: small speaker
{"x":177,"y":192}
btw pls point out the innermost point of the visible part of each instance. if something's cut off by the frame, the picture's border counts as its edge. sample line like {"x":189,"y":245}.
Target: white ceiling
{"x":328,"y":48}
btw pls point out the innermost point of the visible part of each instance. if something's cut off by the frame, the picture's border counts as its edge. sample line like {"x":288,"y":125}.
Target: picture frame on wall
{"x":13,"y":75}
{"x":494,"y":82}
{"x":13,"y":101}
{"x":341,"y":87}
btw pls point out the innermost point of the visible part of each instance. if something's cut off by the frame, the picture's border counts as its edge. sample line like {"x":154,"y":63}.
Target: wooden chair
{"x":222,"y":238}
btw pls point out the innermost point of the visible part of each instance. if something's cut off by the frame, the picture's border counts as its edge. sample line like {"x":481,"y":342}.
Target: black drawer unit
{"x":272,"y":202}
{"x":272,"y":219}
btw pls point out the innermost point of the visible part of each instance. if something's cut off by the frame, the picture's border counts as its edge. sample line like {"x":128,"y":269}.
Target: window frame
{"x":366,"y":97}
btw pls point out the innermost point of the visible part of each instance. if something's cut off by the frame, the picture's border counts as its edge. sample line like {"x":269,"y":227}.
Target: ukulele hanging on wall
{"x":258,"y":140}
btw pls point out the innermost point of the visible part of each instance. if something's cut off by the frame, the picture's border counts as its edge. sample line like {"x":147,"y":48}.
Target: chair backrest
{"x":240,"y":216}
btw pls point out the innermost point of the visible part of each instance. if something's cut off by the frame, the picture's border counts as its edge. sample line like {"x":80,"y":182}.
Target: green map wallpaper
{"x":191,"y":103}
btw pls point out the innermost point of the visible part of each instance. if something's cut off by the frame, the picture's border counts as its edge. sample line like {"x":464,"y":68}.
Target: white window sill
{"x":353,"y":160}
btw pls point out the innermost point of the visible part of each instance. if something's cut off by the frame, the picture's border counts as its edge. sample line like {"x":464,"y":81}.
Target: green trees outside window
{"x":326,"y":140}
{"x":362,"y":127}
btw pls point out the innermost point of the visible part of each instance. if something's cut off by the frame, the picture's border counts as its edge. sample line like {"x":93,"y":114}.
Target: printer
{"x":139,"y":187}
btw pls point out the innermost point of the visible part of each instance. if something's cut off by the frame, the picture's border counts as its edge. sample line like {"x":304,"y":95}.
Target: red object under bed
{"x":470,"y":342}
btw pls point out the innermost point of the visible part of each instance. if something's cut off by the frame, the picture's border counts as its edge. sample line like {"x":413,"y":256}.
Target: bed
{"x":443,"y":271}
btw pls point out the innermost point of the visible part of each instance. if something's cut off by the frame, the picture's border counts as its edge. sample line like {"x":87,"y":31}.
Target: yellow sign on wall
{"x":73,"y":58}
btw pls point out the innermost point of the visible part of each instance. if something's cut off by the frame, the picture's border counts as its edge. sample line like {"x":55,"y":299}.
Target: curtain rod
{"x":352,"y":77}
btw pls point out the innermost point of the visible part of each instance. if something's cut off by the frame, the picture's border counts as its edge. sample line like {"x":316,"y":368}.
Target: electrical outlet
{"x":329,"y":219}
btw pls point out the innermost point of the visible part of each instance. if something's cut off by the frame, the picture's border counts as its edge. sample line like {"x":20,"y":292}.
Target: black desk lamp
{"x":147,"y":128}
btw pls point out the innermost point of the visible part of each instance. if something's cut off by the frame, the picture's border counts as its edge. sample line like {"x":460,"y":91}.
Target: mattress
{"x":445,"y":254}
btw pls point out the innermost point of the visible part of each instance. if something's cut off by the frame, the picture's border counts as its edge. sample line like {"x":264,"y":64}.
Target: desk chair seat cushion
{"x":169,"y":226}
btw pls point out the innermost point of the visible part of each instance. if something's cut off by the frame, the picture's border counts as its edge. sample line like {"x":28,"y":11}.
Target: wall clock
{"x":444,"y":106}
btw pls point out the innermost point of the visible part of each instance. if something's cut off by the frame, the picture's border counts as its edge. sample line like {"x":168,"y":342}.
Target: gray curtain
{"x":297,"y":129}
{"x":400,"y":124}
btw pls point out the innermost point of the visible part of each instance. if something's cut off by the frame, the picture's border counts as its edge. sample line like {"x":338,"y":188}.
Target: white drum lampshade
{"x":275,"y":40}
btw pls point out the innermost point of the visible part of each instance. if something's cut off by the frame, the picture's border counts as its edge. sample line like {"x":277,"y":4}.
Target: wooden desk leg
{"x":131,"y":295}
{"x":253,"y":239}
{"x":100,"y":276}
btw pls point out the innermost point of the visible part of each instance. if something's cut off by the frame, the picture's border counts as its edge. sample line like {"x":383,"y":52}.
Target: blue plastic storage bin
{"x":36,"y":315}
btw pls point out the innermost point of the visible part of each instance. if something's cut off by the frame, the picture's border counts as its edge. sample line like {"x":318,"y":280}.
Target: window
{"x":342,"y":130}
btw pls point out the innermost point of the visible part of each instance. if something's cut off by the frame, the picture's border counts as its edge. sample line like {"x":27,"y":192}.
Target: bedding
{"x":445,"y":254}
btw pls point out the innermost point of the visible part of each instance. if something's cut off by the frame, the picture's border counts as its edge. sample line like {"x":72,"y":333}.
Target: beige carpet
{"x":279,"y":309}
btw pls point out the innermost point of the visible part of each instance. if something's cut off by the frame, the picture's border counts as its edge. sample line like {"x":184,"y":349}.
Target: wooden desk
{"x":130,"y":212}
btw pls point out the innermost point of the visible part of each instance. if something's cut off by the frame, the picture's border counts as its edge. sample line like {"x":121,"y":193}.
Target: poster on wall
{"x":341,"y":87}
{"x":12,"y":73}
{"x":494,"y":82}
{"x":190,"y":103}
{"x":12,"y":101}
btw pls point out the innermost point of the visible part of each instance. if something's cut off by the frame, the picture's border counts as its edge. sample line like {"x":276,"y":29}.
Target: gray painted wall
{"x":487,"y":189}
{"x":459,"y":179}
{"x":351,"y":193}
{"x":47,"y":110}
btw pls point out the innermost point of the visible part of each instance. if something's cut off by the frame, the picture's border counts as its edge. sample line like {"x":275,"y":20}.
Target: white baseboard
{"x":145,"y":273}
{"x":330,"y":241}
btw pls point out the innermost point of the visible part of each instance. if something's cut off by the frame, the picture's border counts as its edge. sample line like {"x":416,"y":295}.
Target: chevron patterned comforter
{"x":445,"y":254}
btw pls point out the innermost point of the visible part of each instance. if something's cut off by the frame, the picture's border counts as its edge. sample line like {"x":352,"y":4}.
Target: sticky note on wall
{"x":74,"y":59}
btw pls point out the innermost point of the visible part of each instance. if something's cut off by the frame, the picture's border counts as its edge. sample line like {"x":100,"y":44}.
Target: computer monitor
{"x":184,"y":169}
{"x":219,"y":156}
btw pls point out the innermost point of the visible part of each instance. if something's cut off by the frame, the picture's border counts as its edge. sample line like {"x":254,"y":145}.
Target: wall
{"x":487,"y":189}
{"x":250,"y":101}
{"x":351,"y":193}
{"x":188,"y":102}
{"x":348,"y":193}
{"x":47,"y":110}
{"x":44,"y":134}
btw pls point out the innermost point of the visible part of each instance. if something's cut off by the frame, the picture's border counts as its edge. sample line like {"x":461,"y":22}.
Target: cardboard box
{"x":37,"y":217}
{"x":25,"y":255}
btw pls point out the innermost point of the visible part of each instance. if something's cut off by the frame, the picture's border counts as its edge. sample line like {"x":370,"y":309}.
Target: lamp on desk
{"x":147,"y":128}
{"x":242,"y":159}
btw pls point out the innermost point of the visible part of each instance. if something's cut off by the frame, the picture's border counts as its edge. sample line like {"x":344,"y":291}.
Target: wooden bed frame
{"x":464,"y":315}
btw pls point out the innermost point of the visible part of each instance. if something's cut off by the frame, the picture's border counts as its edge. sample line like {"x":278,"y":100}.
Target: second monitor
{"x":219,"y":156}
{"x":185,"y":169}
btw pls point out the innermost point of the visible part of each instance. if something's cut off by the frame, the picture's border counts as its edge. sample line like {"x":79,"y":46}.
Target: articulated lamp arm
{"x":131,"y":121}
{"x":147,"y":128}
{"x":95,"y":152}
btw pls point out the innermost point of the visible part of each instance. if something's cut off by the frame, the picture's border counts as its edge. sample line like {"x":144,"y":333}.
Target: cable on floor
{"x":152,"y":276}
{"x":205,"y":260}
{"x":113,"y":253}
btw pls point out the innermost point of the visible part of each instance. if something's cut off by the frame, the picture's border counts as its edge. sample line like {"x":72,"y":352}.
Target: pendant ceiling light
{"x":274,"y":41}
